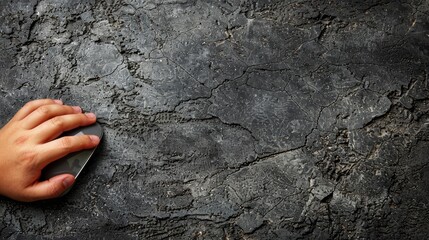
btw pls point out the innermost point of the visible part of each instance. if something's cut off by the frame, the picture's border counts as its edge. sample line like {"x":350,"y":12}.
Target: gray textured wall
{"x":230,"y":119}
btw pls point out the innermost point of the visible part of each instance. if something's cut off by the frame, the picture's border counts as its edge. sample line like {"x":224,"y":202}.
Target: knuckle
{"x":43,"y":110}
{"x":78,"y":119}
{"x":29,"y":104}
{"x":84,"y":118}
{"x":54,"y":191}
{"x":29,"y":156}
{"x":29,"y":159}
{"x":88,"y":140}
{"x":57,"y":122}
{"x":66,"y":143}
{"x":20,"y":140}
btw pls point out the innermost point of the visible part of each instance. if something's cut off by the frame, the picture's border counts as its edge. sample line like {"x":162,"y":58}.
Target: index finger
{"x":33,"y":105}
{"x":60,"y":147}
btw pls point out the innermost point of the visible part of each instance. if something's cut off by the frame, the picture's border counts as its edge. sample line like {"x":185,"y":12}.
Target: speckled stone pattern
{"x":229,"y":119}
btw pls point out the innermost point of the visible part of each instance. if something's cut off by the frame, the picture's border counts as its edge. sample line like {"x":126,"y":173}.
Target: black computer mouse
{"x":73,"y":163}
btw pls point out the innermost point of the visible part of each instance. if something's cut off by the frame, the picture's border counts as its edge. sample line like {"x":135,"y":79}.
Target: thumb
{"x":51,"y":188}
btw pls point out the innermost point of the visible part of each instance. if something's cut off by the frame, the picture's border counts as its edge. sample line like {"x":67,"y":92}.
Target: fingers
{"x":46,"y":112}
{"x":50,"y":188}
{"x":33,"y":105}
{"x":27,"y":147}
{"x":60,"y":147}
{"x":56,"y":126}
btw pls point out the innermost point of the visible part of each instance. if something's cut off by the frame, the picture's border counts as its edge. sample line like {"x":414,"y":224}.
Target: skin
{"x":28,"y":144}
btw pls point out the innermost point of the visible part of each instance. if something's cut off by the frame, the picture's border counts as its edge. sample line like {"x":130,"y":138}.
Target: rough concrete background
{"x":230,"y":119}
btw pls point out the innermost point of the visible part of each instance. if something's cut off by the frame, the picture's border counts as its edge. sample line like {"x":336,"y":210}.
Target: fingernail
{"x":94,"y":139}
{"x":77,"y":109}
{"x":58,"y":101}
{"x":90,"y":115}
{"x":68,"y":181}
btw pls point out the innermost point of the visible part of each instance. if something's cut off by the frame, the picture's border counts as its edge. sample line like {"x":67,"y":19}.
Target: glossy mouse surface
{"x":73,"y":163}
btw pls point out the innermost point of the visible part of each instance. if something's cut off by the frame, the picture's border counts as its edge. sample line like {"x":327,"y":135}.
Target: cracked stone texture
{"x":229,"y":119}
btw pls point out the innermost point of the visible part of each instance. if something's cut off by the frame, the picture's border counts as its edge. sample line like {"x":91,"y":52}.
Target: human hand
{"x":28,"y":143}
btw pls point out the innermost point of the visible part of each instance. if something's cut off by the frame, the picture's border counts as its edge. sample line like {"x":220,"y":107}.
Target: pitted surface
{"x":229,"y":119}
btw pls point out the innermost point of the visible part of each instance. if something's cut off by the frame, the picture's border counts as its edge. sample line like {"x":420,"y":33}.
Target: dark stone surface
{"x":230,"y":119}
